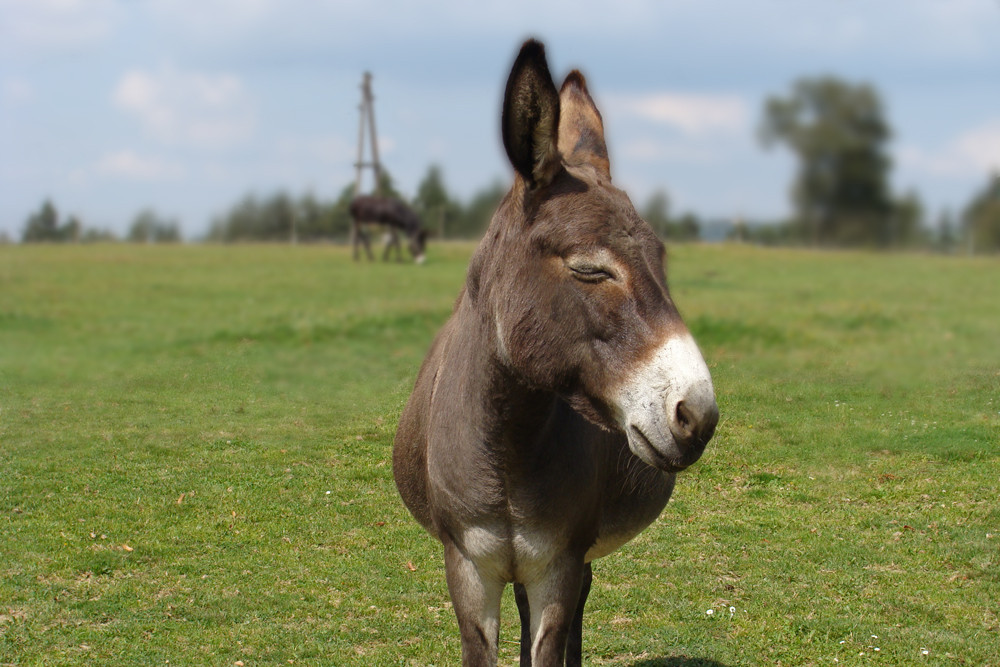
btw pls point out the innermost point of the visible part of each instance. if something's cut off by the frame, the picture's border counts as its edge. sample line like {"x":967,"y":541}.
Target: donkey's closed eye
{"x":589,"y":271}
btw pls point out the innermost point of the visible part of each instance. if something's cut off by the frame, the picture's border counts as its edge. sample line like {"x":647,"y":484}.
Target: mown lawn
{"x":195,"y":464}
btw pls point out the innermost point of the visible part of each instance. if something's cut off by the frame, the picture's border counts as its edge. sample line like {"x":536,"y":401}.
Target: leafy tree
{"x":148,"y":227}
{"x":476,"y":215}
{"x":657,"y":213}
{"x":981,"y":219}
{"x":906,"y":228}
{"x":947,"y":238}
{"x":276,"y":217}
{"x":387,"y":185}
{"x":433,"y":204}
{"x":71,"y":230}
{"x":97,"y":236}
{"x":839,"y":133}
{"x":768,"y":234}
{"x":42,"y":225}
{"x":339,"y":214}
{"x":685,"y":228}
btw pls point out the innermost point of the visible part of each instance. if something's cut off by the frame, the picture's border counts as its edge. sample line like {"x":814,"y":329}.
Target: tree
{"x":657,"y":213}
{"x":339,"y":214}
{"x":148,"y":227}
{"x":476,"y":215}
{"x":387,"y":185}
{"x":275,"y":218}
{"x":907,"y":228}
{"x":435,"y":207}
{"x":43,"y":225}
{"x":981,"y":218}
{"x":686,"y":228}
{"x":947,"y":239}
{"x":839,"y":133}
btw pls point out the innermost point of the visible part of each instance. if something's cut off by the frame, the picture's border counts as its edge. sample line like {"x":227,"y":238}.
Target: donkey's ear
{"x":531,"y":117}
{"x":581,"y":130}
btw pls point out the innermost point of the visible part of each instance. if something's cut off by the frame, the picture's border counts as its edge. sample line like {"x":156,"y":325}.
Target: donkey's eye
{"x":590,"y":273}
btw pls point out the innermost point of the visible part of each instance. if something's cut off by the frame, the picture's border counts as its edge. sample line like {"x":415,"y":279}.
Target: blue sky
{"x":109,"y":106}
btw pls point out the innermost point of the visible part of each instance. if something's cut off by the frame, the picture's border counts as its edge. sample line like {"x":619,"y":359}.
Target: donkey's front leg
{"x":554,"y":601}
{"x":574,"y":645}
{"x":476,"y":599}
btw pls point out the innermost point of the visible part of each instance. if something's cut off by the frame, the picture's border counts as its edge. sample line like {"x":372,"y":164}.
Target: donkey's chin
{"x":665,"y":455}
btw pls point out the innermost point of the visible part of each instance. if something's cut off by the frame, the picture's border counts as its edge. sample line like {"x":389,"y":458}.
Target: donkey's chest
{"x":512,"y":553}
{"x":517,"y":532}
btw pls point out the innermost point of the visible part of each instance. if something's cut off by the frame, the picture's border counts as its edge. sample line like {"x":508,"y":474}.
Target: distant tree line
{"x":281,"y":217}
{"x":841,"y":194}
{"x":46,"y":226}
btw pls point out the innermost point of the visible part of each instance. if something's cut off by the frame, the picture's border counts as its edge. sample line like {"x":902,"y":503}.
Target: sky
{"x":108,"y":107}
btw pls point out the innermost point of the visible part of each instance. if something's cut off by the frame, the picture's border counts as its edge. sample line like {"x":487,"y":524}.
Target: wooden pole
{"x":367,"y":117}
{"x":367,"y":109}
{"x":370,"y":102}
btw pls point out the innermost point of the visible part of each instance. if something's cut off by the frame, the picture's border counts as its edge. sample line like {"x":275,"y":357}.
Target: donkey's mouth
{"x":643,"y":447}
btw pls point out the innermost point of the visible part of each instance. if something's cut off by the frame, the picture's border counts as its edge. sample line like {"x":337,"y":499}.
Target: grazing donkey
{"x":557,"y":404}
{"x":395,"y":216}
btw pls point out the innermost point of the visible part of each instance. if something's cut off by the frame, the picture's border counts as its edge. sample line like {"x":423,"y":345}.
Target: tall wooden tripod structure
{"x":367,"y":120}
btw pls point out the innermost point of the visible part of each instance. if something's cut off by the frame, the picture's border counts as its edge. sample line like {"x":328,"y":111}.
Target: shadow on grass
{"x":678,"y":661}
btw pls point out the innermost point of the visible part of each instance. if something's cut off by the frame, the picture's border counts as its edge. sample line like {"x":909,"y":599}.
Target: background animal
{"x":395,"y":216}
{"x":557,"y":404}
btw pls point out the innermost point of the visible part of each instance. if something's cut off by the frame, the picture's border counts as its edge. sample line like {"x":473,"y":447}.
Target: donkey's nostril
{"x":694,"y":423}
{"x":684,"y":419}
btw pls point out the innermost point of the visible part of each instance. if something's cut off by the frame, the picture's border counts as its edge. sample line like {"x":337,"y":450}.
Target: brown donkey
{"x":557,"y":404}
{"x":395,"y":217}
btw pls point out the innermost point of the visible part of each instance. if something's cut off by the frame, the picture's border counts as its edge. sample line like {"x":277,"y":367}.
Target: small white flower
{"x":710,"y":612}
{"x":732,"y":610}
{"x":327,"y":493}
{"x":924,"y":651}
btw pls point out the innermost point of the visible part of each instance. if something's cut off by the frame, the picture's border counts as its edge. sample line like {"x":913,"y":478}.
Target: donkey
{"x":559,"y":401}
{"x":396,"y":216}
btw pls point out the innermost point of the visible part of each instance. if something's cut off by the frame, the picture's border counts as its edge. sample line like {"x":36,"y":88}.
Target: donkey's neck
{"x":511,"y":412}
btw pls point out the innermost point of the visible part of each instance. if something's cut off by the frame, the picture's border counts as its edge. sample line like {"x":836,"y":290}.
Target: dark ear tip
{"x":532,"y":48}
{"x":575,"y":80}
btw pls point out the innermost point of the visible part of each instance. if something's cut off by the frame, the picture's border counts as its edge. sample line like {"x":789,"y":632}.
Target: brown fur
{"x":509,"y":445}
{"x":394,"y":216}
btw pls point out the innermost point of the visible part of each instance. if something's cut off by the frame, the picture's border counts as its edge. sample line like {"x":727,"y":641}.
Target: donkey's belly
{"x":629,"y":511}
{"x":522,"y":549}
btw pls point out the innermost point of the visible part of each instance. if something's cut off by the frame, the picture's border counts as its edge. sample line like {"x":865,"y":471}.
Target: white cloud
{"x":980,"y":146}
{"x":47,"y":25}
{"x":647,"y":149}
{"x":128,"y":164}
{"x":974,"y":151}
{"x":690,"y":114}
{"x":193,"y":108}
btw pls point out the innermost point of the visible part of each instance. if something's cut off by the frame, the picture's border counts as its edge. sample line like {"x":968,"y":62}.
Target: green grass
{"x":195,"y":464}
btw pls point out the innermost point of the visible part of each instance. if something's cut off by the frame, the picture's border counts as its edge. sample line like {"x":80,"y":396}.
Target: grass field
{"x":195,"y":464}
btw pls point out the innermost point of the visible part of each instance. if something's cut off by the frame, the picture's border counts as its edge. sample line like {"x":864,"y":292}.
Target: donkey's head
{"x":418,"y":245}
{"x":570,"y":284}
